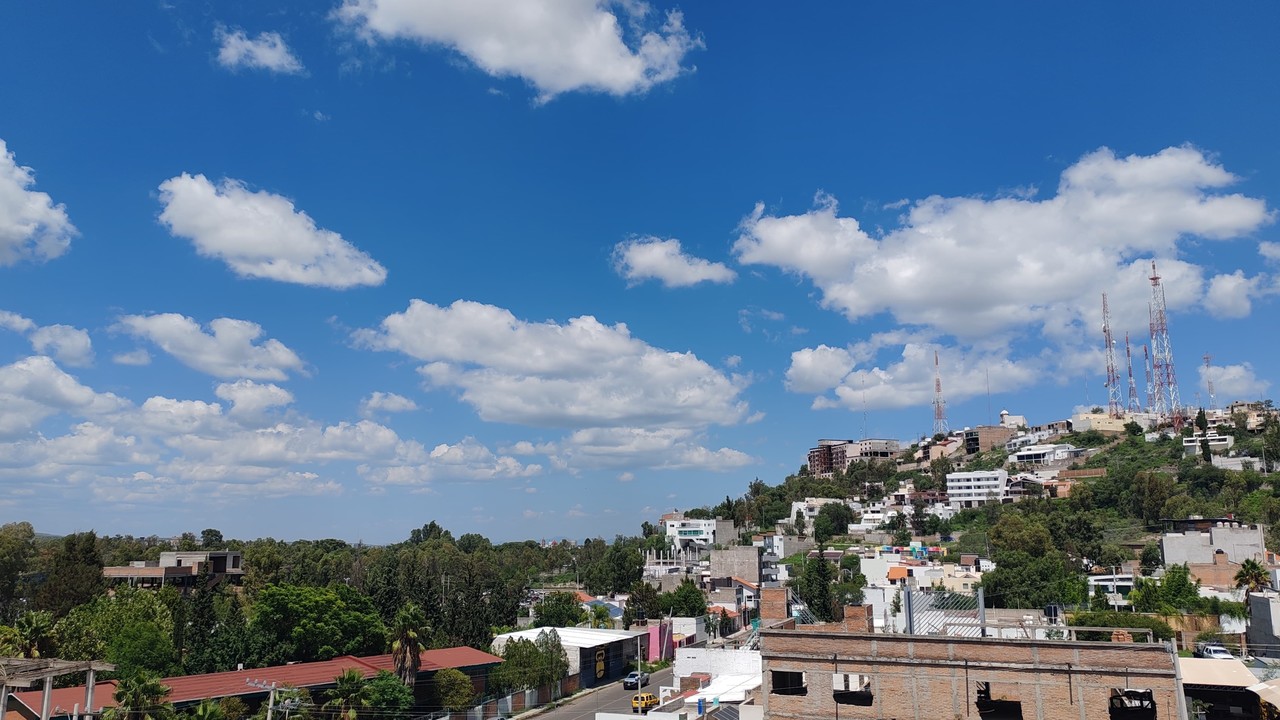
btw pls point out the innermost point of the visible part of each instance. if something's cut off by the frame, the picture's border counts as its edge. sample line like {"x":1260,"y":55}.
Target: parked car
{"x":635,"y":680}
{"x":1213,"y":651}
{"x":643,"y":702}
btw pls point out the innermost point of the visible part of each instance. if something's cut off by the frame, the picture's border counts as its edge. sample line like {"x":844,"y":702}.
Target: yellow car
{"x":643,"y":702}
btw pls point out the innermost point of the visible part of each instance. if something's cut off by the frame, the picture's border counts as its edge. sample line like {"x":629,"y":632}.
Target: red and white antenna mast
{"x":939,"y":405}
{"x":1166,"y":379}
{"x":1133,"y":405}
{"x":1113,"y":377}
{"x":1208,"y":380}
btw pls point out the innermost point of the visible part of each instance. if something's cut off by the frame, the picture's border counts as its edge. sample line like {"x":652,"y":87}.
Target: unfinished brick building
{"x":822,"y":674}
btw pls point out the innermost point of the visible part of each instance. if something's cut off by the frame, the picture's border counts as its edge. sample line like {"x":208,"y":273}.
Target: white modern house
{"x":976,"y":488}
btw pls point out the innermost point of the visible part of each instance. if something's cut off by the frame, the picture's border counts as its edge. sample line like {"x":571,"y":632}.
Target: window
{"x":788,"y":682}
{"x":852,"y":689}
{"x":1131,"y":704}
{"x":998,"y":708}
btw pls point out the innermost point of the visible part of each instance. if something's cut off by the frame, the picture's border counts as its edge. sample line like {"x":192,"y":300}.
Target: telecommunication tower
{"x":1113,"y":377}
{"x":1133,"y":405}
{"x":1146,"y":369}
{"x":1167,"y":403}
{"x":1208,"y":380}
{"x":939,"y":405}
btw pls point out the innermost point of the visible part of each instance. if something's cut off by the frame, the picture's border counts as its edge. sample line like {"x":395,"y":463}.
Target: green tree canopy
{"x":456,"y":691}
{"x":305,"y":624}
{"x":559,"y":609}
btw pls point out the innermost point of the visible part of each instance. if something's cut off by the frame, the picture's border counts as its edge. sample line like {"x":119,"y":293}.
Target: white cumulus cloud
{"x":262,"y":235}
{"x":1231,"y":295}
{"x":972,"y":267}
{"x":250,"y":398}
{"x":267,"y":51}
{"x":229,"y":350}
{"x":35,"y":388}
{"x":32,"y":226}
{"x":1234,"y":382}
{"x":556,"y":46}
{"x":69,"y":345}
{"x":387,"y":402}
{"x":651,"y":258}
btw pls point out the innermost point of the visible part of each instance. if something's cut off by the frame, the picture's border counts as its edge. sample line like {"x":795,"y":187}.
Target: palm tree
{"x":408,"y":632}
{"x":35,"y":633}
{"x":140,"y":697}
{"x":1252,"y":577}
{"x":600,"y":617}
{"x":349,"y":694}
{"x":207,"y":710}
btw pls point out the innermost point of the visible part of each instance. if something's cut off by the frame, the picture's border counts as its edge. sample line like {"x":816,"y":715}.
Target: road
{"x":611,"y":698}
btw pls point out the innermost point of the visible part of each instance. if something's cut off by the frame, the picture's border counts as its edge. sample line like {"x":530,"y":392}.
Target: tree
{"x":1133,"y":429}
{"x":17,"y":547}
{"x":471,"y":542}
{"x":521,"y":667}
{"x":685,"y":601}
{"x":348,"y":696}
{"x":140,"y":697}
{"x":304,"y":624}
{"x":75,"y":575}
{"x":34,"y":633}
{"x":600,"y":617}
{"x":833,"y":519}
{"x":558,"y":609}
{"x":814,"y":588}
{"x":1150,"y":558}
{"x":798,"y":523}
{"x":456,"y":691}
{"x":553,"y":660}
{"x":211,"y":539}
{"x":1252,"y":577}
{"x":388,"y":697}
{"x":644,"y":598}
{"x":142,"y":647}
{"x":207,"y":710}
{"x":408,"y":631}
{"x":726,"y":624}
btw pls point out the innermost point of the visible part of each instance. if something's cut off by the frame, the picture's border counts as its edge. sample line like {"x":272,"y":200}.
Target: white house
{"x":976,"y":488}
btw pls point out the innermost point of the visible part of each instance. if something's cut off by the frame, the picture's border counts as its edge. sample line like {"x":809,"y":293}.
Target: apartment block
{"x":976,"y":488}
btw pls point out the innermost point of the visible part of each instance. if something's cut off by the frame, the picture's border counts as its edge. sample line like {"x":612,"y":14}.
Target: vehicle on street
{"x":1213,"y":651}
{"x":635,"y":680}
{"x":643,"y":702}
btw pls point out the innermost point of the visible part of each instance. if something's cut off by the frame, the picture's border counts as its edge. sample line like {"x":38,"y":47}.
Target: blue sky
{"x":335,"y":270}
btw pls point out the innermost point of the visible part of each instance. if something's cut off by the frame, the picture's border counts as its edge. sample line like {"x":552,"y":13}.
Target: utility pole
{"x":271,"y":696}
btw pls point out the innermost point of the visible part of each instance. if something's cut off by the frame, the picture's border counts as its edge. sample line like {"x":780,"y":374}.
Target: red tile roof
{"x":190,"y":688}
{"x":585,"y":597}
{"x":747,"y":583}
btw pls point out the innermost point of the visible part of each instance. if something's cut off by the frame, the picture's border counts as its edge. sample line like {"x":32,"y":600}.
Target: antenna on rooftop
{"x":939,"y":405}
{"x":1113,"y":377}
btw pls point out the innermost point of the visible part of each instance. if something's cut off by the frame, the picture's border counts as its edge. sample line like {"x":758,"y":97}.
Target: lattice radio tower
{"x":1167,"y":403}
{"x":1146,"y":370}
{"x":1113,"y":377}
{"x":1133,"y":405}
{"x":1208,"y":381}
{"x":939,"y":405}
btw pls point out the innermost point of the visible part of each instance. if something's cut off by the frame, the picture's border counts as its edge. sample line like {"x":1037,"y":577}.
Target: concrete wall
{"x":742,"y":561}
{"x":693,"y":628}
{"x":930,"y":677}
{"x":716,"y":661}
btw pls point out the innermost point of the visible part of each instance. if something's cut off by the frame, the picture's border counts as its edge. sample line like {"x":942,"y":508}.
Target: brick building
{"x":810,"y":673}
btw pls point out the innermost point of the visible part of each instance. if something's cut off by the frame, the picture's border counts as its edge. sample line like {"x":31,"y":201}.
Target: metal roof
{"x":1216,"y":673}
{"x":573,"y":636}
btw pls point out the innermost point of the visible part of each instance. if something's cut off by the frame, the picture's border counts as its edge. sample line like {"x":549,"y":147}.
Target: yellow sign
{"x":600,"y":664}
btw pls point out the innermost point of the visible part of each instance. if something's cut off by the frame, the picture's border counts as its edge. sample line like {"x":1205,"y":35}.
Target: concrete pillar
{"x":46,"y":698}
{"x":88,"y":694}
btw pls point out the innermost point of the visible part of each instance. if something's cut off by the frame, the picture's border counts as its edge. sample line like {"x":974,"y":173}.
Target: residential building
{"x":986,"y":437}
{"x":697,"y":534}
{"x":814,"y":674}
{"x":1254,"y":414}
{"x":975,"y":488}
{"x":832,"y":456}
{"x":1047,"y":454}
{"x":1193,"y":445}
{"x":1200,"y":540}
{"x":739,"y":560}
{"x":180,"y":568}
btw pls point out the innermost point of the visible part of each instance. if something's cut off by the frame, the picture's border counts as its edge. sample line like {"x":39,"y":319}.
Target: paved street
{"x":609,"y":699}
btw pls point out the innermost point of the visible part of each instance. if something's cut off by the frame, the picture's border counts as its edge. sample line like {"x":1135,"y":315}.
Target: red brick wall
{"x":932,"y":677}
